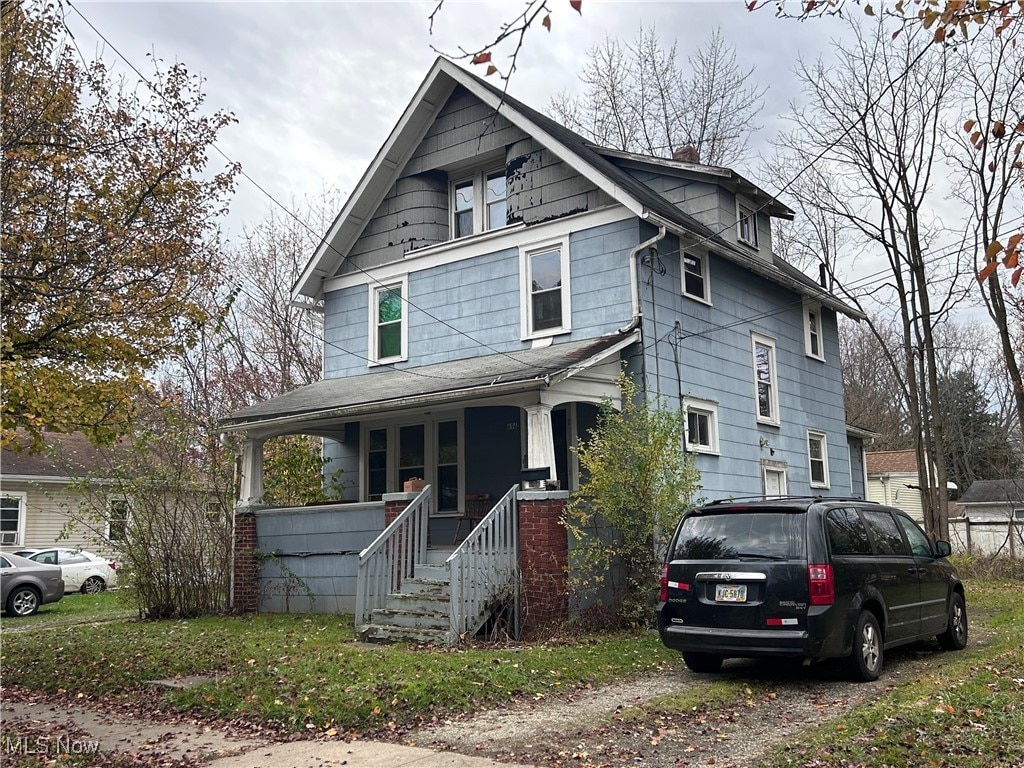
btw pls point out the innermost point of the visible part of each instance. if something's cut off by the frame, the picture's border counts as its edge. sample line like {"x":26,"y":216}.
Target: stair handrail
{"x":483,"y":567}
{"x":392,"y":557}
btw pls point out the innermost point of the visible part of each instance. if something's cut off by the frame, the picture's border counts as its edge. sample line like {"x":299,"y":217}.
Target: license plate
{"x":731,"y":593}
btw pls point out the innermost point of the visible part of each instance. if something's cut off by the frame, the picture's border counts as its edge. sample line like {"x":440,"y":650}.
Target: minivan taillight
{"x":820,"y":584}
{"x":663,"y":596}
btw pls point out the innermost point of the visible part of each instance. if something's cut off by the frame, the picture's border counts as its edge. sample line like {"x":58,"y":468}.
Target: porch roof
{"x":388,"y":388}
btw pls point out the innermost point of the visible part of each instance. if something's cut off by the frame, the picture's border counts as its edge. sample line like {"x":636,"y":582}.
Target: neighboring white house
{"x":992,"y":520}
{"x":893,"y":480}
{"x":37,"y":492}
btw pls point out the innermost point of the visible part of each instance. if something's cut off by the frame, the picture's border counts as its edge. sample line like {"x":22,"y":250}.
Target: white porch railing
{"x":392,"y":557}
{"x":483,"y":569}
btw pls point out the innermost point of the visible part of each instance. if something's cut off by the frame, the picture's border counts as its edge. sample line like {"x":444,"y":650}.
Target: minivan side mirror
{"x":942,"y":548}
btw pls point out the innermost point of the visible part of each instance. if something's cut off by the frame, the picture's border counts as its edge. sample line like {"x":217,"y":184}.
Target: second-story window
{"x":388,"y":327}
{"x":479,"y":203}
{"x":695,"y":277}
{"x":812,"y":331}
{"x":766,"y":379}
{"x":545,"y":270}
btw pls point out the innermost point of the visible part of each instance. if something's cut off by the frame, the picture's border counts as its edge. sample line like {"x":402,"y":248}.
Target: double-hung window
{"x":766,"y":380}
{"x":817,"y":455}
{"x":695,"y":276}
{"x":812,"y":332}
{"x":545,"y":277}
{"x":12,"y":519}
{"x":479,"y":203}
{"x":117,"y":520}
{"x":746,"y":224}
{"x":701,"y":425}
{"x":389,"y":331}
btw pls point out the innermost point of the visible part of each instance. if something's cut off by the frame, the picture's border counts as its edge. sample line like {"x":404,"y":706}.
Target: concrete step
{"x":378,"y":633}
{"x":410,"y":619}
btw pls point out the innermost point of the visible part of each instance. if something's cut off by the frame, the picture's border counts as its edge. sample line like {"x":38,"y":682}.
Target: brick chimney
{"x":687,"y":154}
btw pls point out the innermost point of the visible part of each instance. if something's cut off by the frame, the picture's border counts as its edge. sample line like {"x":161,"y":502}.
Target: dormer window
{"x":746,"y":224}
{"x":469,"y":216}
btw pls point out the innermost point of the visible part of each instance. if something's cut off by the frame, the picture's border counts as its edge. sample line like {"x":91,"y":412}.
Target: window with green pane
{"x":389,"y":322}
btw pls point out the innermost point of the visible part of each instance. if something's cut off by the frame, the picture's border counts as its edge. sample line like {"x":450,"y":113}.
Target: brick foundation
{"x":245,"y":582}
{"x":543,"y":560}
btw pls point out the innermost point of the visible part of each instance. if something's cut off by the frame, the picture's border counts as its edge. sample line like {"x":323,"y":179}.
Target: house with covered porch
{"x":482,"y":289}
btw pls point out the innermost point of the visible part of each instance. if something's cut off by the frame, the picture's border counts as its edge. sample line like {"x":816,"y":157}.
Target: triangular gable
{"x":589,"y":161}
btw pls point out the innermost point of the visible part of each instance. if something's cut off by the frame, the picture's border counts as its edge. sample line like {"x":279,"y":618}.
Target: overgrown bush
{"x":990,"y":567}
{"x":638,"y":482}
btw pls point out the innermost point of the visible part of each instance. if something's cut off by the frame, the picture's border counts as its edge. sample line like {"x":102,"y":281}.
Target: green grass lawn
{"x":307,"y":673}
{"x":73,"y":609}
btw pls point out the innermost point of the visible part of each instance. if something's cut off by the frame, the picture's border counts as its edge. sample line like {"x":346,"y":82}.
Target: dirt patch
{"x":632,"y":724}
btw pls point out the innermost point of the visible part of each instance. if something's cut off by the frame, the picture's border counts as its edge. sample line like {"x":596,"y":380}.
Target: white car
{"x":82,"y":571}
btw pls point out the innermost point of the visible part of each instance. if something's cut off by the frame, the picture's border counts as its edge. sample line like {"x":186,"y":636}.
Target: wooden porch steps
{"x":419,"y":611}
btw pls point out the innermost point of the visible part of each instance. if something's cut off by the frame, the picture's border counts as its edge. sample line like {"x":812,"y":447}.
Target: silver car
{"x":25,"y":585}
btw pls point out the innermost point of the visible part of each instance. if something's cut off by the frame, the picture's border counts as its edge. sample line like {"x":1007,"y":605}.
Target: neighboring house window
{"x":746,"y":224}
{"x":545,"y":270}
{"x":117,"y":520}
{"x":1018,"y":514}
{"x":468,"y":215}
{"x":389,"y":330}
{"x":766,"y":379}
{"x":12,"y":519}
{"x":701,"y":425}
{"x":817,"y":454}
{"x":695,"y":277}
{"x":812,"y":332}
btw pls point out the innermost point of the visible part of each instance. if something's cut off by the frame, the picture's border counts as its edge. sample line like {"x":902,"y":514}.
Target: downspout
{"x":634,"y":277}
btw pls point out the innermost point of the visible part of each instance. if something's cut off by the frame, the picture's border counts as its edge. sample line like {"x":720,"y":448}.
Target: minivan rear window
{"x":730,"y":535}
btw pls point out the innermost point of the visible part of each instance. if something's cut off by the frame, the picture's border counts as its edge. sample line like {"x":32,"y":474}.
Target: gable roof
{"x":995,"y":492}
{"x":387,"y":389}
{"x":63,"y":456}
{"x":590,"y":161}
{"x":887,"y":462}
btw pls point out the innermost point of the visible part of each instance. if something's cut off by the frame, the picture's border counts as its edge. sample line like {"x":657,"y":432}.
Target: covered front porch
{"x":468,"y":430}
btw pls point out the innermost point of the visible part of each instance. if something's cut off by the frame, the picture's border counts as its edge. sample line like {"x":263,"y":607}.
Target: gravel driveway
{"x":598,"y":728}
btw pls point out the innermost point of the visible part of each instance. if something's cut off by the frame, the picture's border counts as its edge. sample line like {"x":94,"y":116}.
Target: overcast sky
{"x":317,"y":87}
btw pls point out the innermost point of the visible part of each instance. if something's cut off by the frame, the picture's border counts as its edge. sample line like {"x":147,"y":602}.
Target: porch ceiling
{"x":387,"y":388}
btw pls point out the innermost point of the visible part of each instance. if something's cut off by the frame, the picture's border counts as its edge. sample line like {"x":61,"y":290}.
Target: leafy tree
{"x":638,"y":482}
{"x":638,"y":99}
{"x":294,"y":469}
{"x":109,"y":213}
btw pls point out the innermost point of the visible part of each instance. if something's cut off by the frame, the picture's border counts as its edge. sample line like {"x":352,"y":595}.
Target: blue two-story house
{"x":492,"y":274}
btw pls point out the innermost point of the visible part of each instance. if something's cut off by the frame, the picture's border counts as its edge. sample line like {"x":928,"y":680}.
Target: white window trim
{"x":22,"y":498}
{"x":814,"y":435}
{"x":710,"y":408}
{"x":705,"y":259}
{"x":810,"y":307}
{"x":778,"y":467}
{"x":743,"y":204}
{"x":401,"y":282}
{"x":773,"y":400}
{"x":479,"y":179}
{"x":525,"y":294}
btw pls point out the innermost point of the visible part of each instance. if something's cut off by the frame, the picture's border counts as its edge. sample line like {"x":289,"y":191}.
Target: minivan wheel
{"x":955,"y":636}
{"x":702,"y":662}
{"x":866,"y":656}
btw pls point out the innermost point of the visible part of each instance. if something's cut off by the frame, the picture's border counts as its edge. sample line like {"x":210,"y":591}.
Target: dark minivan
{"x":810,"y":578}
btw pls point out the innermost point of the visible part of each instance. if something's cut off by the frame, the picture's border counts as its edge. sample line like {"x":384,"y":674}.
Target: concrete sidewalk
{"x":106,"y":732}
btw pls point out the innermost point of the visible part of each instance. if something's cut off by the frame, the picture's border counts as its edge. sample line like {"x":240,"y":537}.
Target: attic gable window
{"x":746,"y":224}
{"x":389,"y":331}
{"x":479,"y":203}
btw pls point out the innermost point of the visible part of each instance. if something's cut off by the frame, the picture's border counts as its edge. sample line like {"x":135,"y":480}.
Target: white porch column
{"x":540,"y":446}
{"x":251,"y":483}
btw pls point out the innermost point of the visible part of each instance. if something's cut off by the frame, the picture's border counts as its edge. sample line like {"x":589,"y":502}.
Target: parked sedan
{"x":25,"y":585}
{"x":83,"y":571}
